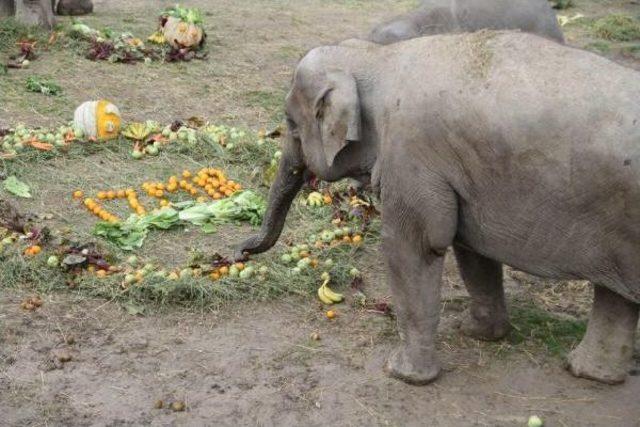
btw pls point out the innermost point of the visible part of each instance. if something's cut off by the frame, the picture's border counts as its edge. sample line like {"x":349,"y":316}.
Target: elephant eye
{"x":293,"y":128}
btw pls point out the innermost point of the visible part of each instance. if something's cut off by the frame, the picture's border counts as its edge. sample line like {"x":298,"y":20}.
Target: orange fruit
{"x":215,"y":275}
{"x":331,"y":314}
{"x":327,"y":200}
{"x":78,"y":194}
{"x":228,"y":193}
{"x":183,"y":184}
{"x":357,"y":239}
{"x":186,"y":174}
{"x":224,"y":270}
{"x":346,"y":239}
{"x":193,"y":191}
{"x":130,"y":192}
{"x":121,"y":194}
{"x":160,"y":186}
{"x":217,"y":196}
{"x":102,"y":195}
{"x":314,"y":263}
{"x":215,"y":183}
{"x":101,"y":273}
{"x":158,"y":193}
{"x":239,"y":266}
{"x":111,"y":195}
{"x":237,"y":187}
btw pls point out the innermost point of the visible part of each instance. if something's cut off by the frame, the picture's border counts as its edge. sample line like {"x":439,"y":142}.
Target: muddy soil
{"x":259,"y":365}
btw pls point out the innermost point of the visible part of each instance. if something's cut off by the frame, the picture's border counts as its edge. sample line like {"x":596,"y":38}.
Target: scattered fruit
{"x":331,"y":314}
{"x":535,"y":421}
{"x":53,"y":261}
{"x":178,"y":406}
{"x":32,"y":250}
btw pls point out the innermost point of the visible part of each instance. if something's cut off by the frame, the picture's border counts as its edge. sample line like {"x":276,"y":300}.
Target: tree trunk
{"x":7,"y":8}
{"x":35,"y":12}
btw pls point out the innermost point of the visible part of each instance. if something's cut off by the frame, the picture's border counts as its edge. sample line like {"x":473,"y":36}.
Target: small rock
{"x":63,"y":356}
{"x":159,"y":404}
{"x":70,"y":340}
{"x":315,"y":336}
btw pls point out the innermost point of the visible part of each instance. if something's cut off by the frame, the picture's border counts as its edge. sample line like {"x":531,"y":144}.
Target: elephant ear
{"x":338,"y":113}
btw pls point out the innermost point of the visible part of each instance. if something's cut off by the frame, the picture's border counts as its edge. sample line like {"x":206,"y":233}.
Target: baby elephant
{"x":459,"y":16}
{"x":508,"y":147}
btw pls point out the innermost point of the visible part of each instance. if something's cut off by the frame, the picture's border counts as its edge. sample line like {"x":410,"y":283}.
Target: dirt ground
{"x":250,"y":363}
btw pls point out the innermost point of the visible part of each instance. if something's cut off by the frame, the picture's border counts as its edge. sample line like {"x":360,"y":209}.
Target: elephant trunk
{"x":287,"y":184}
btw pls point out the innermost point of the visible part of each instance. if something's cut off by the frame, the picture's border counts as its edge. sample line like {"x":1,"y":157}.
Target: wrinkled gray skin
{"x":457,"y":16}
{"x":508,"y":147}
{"x":40,"y":12}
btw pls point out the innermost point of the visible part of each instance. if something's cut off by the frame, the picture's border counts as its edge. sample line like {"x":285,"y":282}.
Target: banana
{"x":327,"y":295}
{"x":323,"y":297}
{"x":315,"y":199}
{"x":333,"y":296}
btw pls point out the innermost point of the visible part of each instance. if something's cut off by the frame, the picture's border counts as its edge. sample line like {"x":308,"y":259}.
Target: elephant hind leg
{"x":487,"y":318}
{"x":605,"y":351}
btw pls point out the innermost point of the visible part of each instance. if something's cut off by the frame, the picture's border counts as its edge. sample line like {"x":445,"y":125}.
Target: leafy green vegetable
{"x":17,"y":187}
{"x":245,"y":206}
{"x":189,"y":15}
{"x":37,"y":84}
{"x":126,"y":235}
{"x":131,"y":233}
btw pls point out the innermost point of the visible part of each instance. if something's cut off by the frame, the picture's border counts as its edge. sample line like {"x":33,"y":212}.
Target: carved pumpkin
{"x":181,"y":34}
{"x":98,"y":119}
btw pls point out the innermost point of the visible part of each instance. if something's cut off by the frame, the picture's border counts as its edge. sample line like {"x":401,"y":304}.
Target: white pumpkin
{"x":182,"y":34}
{"x":98,"y":119}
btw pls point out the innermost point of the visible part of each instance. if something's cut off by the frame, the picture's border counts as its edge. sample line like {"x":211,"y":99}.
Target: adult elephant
{"x":457,"y":16}
{"x":491,"y":143}
{"x":41,"y":12}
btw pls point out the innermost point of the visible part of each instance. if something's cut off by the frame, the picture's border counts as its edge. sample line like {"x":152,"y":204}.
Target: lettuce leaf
{"x":245,"y":206}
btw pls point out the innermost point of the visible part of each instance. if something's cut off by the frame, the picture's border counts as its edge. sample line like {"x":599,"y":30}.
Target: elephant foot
{"x":585,"y":364}
{"x":486,"y":328}
{"x":605,"y":352}
{"x":401,"y":367}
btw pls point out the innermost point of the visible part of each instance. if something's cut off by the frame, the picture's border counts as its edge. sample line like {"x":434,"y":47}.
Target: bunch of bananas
{"x":327,"y":295}
{"x":315,"y":199}
{"x":136,"y":131}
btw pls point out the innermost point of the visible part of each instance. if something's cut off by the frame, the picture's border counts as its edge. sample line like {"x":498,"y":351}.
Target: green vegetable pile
{"x":46,"y":87}
{"x":191,"y":16}
{"x":245,"y":206}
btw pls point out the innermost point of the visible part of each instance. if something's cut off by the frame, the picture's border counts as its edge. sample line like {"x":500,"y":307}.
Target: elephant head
{"x":324,"y":129}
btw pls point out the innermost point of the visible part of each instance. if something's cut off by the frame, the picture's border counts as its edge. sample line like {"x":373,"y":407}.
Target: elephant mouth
{"x":311,"y":180}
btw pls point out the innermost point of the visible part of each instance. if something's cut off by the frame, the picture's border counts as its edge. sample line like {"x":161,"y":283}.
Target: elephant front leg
{"x":415,"y":285}
{"x":487,"y":318}
{"x":606,"y":349}
{"x":414,"y":243}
